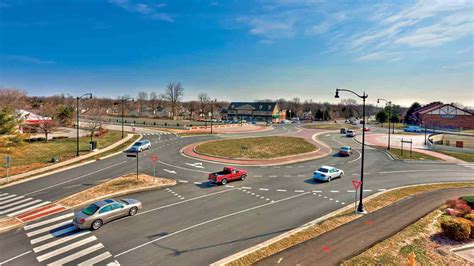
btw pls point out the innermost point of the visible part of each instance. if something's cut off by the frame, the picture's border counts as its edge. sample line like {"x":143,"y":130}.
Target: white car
{"x":140,"y":146}
{"x":327,"y":173}
{"x":350,"y":133}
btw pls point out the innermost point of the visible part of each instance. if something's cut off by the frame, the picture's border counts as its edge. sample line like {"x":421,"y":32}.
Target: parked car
{"x":345,"y":151}
{"x":327,"y":173}
{"x":140,"y":146}
{"x":343,"y":130}
{"x":415,"y":129}
{"x":350,"y":133}
{"x":104,"y":211}
{"x":226,"y":175}
{"x":366,"y":129}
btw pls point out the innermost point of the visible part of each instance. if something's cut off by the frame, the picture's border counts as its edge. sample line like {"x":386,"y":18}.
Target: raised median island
{"x":256,"y":148}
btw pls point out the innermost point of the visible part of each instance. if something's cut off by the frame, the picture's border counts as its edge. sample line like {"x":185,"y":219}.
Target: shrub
{"x":469,"y":200}
{"x":457,"y":228}
{"x":469,"y":217}
{"x":451,"y":211}
{"x":453,"y":202}
{"x":463,"y":209}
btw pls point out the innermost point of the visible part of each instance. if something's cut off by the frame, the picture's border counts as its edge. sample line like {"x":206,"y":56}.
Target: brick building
{"x":440,"y":115}
{"x":255,"y":111}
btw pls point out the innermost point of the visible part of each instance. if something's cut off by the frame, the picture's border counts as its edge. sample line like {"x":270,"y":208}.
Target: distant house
{"x":440,"y":115}
{"x":255,"y":111}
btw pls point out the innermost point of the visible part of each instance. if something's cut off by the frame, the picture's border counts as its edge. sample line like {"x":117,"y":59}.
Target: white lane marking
{"x":325,"y":197}
{"x":356,"y":159}
{"x":351,"y":191}
{"x":73,"y":179}
{"x":367,"y":190}
{"x":263,"y":189}
{"x":198,"y":183}
{"x":27,"y":209}
{"x":3,"y":194}
{"x":170,"y":171}
{"x":262,"y":197}
{"x":183,"y":181}
{"x":287,"y":176}
{"x":382,"y":189}
{"x":288,"y":166}
{"x":257,"y":176}
{"x":272,"y":176}
{"x":206,"y":222}
{"x":96,"y":259}
{"x":317,"y":191}
{"x":246,"y":187}
{"x":414,"y":171}
{"x":31,"y":226}
{"x":334,"y":191}
{"x":183,"y":168}
{"x":253,"y":194}
{"x":301,"y":175}
{"x":77,"y":255}
{"x":197,"y":165}
{"x":21,"y":206}
{"x":60,"y":241}
{"x":65,"y":248}
{"x":330,"y":199}
{"x":9,"y":200}
{"x":181,"y":202}
{"x":55,"y":234}
{"x":14,"y":203}
{"x":16,"y":257}
{"x":228,"y":186}
{"x":7,"y":197}
{"x":337,"y":201}
{"x":281,"y":190}
{"x":299,"y":191}
{"x":47,"y":228}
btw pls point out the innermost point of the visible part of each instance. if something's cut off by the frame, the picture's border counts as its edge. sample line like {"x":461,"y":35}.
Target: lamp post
{"x":89,"y":95}
{"x":360,"y":207}
{"x":389,"y":118}
{"x":212,"y":112}
{"x":123,"y":100}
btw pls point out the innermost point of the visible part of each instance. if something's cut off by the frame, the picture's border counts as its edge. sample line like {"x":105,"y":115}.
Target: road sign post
{"x":8,"y":160}
{"x":134,"y":154}
{"x":154,"y":159}
{"x":356,"y":185}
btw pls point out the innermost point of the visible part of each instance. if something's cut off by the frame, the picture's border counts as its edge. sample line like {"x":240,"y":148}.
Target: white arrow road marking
{"x":197,"y":165}
{"x":170,"y":171}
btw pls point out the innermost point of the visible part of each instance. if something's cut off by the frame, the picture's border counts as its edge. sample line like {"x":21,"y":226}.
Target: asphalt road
{"x":194,"y":223}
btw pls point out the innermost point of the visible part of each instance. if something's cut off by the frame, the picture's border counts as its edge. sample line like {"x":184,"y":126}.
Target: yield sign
{"x":356,"y":184}
{"x":154,"y":158}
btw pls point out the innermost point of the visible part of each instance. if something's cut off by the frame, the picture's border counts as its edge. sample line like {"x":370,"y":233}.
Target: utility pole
{"x":389,"y":118}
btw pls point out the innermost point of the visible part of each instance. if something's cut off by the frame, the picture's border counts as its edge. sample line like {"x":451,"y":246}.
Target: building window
{"x":261,"y":107}
{"x":269,"y":107}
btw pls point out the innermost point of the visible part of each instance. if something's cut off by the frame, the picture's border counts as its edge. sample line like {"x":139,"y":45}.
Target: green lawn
{"x":28,"y":156}
{"x":256,"y":148}
{"x":397,"y":153}
{"x":467,"y":157}
{"x":331,"y":126}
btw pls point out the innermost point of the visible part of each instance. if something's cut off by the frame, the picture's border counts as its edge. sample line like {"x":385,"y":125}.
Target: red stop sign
{"x":154,"y":158}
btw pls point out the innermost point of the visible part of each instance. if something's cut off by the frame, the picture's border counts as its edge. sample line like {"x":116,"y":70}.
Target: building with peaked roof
{"x":440,"y":115}
{"x":255,"y":111}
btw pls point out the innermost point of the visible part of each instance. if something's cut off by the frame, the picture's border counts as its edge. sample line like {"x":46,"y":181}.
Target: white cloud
{"x":468,"y":65}
{"x":379,"y":56}
{"x":27,"y":59}
{"x":143,"y":9}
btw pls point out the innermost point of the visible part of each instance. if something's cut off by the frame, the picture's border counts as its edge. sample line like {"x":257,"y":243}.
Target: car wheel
{"x":133,"y":211}
{"x":329,"y":179}
{"x":224,"y":181}
{"x":96,"y":224}
{"x":243,"y":177}
{"x":341,"y":175}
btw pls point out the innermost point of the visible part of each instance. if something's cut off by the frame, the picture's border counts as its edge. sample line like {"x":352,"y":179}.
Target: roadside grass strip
{"x":56,"y":241}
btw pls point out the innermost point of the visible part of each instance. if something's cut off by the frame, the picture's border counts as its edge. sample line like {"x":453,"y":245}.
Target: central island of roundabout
{"x":268,"y":150}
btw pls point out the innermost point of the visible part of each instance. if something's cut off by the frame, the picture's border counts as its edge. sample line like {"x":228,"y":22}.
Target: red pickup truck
{"x":226,"y":175}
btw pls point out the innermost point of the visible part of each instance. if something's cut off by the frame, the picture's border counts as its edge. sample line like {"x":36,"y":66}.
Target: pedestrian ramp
{"x":56,"y":241}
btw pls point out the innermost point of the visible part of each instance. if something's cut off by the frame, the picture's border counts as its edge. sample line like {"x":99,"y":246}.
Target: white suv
{"x":350,"y":133}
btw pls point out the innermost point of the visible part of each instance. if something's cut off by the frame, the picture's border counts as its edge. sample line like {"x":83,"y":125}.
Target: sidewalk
{"x":308,"y":134}
{"x":355,"y":237}
{"x":381,"y":139}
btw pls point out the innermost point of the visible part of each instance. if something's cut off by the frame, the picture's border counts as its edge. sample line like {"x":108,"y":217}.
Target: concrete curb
{"x":266,"y":164}
{"x":68,"y":166}
{"x":271,"y":241}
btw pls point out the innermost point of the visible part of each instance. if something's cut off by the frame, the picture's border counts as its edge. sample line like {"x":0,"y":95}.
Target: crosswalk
{"x":156,"y":134}
{"x":56,"y":241}
{"x":12,"y":205}
{"x":467,"y":165}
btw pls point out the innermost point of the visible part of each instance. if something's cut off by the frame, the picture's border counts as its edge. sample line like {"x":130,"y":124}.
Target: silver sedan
{"x":104,"y":211}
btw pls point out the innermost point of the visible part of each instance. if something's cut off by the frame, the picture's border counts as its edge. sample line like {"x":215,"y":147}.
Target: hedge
{"x":457,"y":228}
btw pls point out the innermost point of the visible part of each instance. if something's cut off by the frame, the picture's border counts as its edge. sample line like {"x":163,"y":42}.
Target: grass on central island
{"x":256,"y":148}
{"x":397,"y":153}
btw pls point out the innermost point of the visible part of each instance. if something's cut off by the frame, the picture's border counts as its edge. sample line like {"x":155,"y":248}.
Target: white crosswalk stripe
{"x":12,"y":204}
{"x":56,"y":241}
{"x":467,"y":165}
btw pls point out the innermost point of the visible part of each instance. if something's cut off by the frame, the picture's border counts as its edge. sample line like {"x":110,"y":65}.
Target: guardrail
{"x":436,"y":141}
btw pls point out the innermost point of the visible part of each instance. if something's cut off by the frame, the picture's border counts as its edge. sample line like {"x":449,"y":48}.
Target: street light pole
{"x":360,"y":207}
{"x":77,"y":120}
{"x":212,"y":112}
{"x":389,"y":118}
{"x":123,"y":102}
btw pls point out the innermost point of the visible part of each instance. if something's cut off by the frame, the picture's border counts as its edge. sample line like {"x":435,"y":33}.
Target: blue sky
{"x":404,"y":51}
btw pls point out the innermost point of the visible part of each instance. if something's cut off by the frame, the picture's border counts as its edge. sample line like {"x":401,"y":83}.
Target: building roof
{"x":430,"y":106}
{"x":31,"y":118}
{"x":439,"y":105}
{"x":257,"y":106}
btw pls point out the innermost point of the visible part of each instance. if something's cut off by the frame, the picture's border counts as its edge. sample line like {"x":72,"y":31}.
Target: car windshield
{"x":91,"y":209}
{"x":345,"y":148}
{"x":324,"y":170}
{"x":137,"y":144}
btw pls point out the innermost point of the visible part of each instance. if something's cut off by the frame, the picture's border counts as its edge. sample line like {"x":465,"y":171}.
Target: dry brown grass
{"x":423,"y":238}
{"x":315,"y":230}
{"x":116,"y":187}
{"x":256,"y":148}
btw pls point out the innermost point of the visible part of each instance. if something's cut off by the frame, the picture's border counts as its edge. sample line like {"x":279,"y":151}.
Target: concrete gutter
{"x":278,"y":238}
{"x":48,"y":170}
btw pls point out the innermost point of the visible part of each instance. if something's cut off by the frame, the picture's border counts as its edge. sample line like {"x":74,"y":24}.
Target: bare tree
{"x":95,"y":112}
{"x":204,"y":101}
{"x":13,"y":98}
{"x":153,"y":100}
{"x":173,"y":93}
{"x":141,"y":99}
